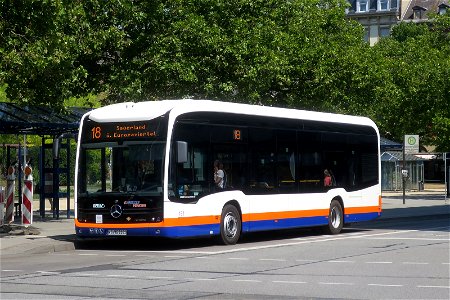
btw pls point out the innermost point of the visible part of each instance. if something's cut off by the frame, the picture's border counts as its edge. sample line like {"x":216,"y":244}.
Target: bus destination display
{"x":96,"y":132}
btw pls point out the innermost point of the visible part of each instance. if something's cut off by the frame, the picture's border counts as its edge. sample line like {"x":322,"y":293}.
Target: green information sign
{"x":411,"y":144}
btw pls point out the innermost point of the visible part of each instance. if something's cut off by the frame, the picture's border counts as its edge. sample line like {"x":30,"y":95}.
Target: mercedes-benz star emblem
{"x":116,"y":211}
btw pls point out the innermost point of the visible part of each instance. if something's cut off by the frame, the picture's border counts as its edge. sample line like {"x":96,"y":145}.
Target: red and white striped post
{"x":10,"y":186}
{"x":27,"y":198}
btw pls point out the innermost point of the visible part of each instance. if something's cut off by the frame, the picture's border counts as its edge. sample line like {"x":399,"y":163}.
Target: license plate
{"x":116,"y":232}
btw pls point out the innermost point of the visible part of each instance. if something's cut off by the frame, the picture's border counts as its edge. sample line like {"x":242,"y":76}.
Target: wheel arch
{"x":234,"y":203}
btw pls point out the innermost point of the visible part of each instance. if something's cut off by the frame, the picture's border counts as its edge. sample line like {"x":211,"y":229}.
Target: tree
{"x":271,"y":52}
{"x":415,"y":96}
{"x":53,"y":50}
{"x":298,"y":53}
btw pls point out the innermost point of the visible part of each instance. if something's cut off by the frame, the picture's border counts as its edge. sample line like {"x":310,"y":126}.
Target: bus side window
{"x":286,"y":164}
{"x":263,"y":164}
{"x":188,"y":161}
{"x":310,"y":162}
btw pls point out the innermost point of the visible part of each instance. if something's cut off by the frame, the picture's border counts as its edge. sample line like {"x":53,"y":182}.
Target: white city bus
{"x":147,"y":169}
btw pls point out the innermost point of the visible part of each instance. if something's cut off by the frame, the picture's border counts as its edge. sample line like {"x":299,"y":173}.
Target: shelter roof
{"x":38,"y":120}
{"x":398,"y":156}
{"x":386,"y":145}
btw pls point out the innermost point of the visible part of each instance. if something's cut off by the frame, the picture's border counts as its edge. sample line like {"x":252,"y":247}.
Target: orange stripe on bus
{"x":186,"y":221}
{"x":168,"y":222}
{"x":112,"y":225}
{"x":203,"y":220}
{"x":361,"y":210}
{"x":284,"y":215}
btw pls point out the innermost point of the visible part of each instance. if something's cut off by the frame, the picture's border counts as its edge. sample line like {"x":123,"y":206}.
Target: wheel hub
{"x":230,"y":224}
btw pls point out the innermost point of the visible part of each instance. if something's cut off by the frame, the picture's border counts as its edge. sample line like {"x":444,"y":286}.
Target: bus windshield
{"x":129,"y":167}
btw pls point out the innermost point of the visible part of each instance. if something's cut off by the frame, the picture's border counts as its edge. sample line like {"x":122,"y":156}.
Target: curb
{"x":39,"y":245}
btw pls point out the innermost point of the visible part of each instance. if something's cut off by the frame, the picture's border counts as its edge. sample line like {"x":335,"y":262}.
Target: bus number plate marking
{"x":116,"y":232}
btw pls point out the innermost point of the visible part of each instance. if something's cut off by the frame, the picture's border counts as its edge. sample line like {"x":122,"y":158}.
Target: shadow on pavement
{"x":438,"y":222}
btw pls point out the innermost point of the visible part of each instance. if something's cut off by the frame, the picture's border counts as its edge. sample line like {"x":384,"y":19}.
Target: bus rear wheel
{"x":230,"y":225}
{"x":335,"y":218}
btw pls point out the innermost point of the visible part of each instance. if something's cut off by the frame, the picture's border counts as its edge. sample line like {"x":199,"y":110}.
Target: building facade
{"x":379,"y":16}
{"x":419,"y":10}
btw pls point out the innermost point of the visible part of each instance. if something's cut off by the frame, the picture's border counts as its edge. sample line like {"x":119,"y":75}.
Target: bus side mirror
{"x":182,"y":152}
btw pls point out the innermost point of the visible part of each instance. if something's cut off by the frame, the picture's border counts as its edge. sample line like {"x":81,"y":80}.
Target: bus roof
{"x":147,"y":110}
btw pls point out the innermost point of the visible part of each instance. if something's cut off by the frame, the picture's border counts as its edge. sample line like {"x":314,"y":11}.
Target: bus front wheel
{"x":230,"y":225}
{"x":335,"y":218}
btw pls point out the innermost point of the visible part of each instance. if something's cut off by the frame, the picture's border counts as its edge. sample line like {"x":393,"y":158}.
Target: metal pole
{"x":42,"y":179}
{"x":19,"y":179}
{"x":445,"y":175}
{"x":24,"y":151}
{"x":403,"y":175}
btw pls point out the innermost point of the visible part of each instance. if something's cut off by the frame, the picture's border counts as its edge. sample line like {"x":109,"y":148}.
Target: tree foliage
{"x":54,"y":49}
{"x":299,"y":53}
{"x":415,"y":98}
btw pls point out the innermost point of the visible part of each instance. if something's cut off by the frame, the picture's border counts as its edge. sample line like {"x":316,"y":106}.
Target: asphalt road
{"x":394,"y":259}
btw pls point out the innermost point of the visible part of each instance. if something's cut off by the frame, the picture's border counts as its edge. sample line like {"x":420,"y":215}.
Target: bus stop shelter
{"x":49,"y":124}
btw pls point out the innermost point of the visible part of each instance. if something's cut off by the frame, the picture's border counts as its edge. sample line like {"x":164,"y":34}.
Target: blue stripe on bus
{"x":361,"y":217}
{"x":286,"y":223}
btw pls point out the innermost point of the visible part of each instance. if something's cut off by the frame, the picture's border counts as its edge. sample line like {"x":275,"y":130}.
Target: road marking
{"x":247,"y":280}
{"x":321,"y":239}
{"x":237,"y":258}
{"x":175,"y":256}
{"x":434,"y":286}
{"x":48,"y":273}
{"x":205,"y":257}
{"x":379,"y":262}
{"x":405,"y":238}
{"x":337,"y":283}
{"x":121,"y":276}
{"x":305,"y":260}
{"x":295,"y":242}
{"x":144,"y":255}
{"x":159,"y":277}
{"x":272,"y":259}
{"x":385,"y":285}
{"x":161,"y":251}
{"x":201,"y":279}
{"x":115,"y":255}
{"x":289,"y":282}
{"x":341,"y":261}
{"x":88,"y":254}
{"x":12,"y":270}
{"x":415,"y":263}
{"x":87,"y":274}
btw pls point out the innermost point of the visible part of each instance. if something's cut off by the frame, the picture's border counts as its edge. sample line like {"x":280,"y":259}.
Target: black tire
{"x":230,"y":225}
{"x":335,"y":218}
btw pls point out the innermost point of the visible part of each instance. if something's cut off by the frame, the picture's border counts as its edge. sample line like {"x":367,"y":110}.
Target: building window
{"x":443,"y":8}
{"x":385,"y":31}
{"x":362,"y":5}
{"x":366,"y":34}
{"x":383,"y":5}
{"x":418,"y":12}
